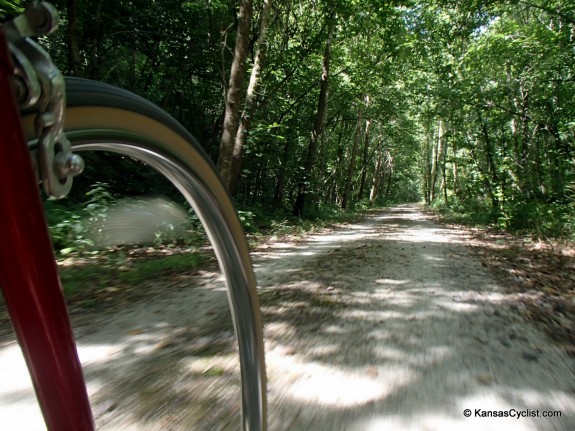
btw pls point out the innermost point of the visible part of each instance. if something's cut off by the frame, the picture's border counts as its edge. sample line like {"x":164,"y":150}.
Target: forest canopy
{"x":468,"y":106}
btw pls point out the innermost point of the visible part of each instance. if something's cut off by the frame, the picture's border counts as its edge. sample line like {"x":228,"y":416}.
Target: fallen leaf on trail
{"x":285,"y":350}
{"x":163,"y":344}
{"x":485,"y":379}
{"x":111,"y":289}
{"x":214,"y":372}
{"x":372,"y":371}
{"x":136,"y":332}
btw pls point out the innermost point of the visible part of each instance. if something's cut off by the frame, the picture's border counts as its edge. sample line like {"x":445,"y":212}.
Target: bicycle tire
{"x":101,"y":117}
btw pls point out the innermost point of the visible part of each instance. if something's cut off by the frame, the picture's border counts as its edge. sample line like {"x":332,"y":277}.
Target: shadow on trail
{"x":402,"y":329}
{"x":165,"y":367}
{"x":385,"y":324}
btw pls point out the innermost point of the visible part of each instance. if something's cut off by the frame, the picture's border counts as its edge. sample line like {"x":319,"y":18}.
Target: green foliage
{"x":543,"y":219}
{"x":74,"y":226}
{"x":247,"y":219}
{"x":470,"y":211}
{"x":470,"y":105}
{"x":554,"y":220}
{"x":64,"y":224}
{"x":10,"y":8}
{"x":66,"y":221}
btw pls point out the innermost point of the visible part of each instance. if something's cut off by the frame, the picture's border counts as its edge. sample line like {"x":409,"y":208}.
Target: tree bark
{"x":444,"y":165}
{"x":351,"y":169}
{"x":234,"y":96}
{"x":281,"y":176}
{"x":437,"y":149}
{"x":428,"y":154}
{"x":246,"y":118}
{"x":94,"y":58}
{"x":319,"y":124}
{"x":389,"y":175}
{"x":364,"y":160}
{"x":376,"y":179}
{"x":494,"y":180}
{"x":74,"y":60}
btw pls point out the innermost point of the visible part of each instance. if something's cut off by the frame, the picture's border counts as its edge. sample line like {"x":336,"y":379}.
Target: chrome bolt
{"x":68,"y":164}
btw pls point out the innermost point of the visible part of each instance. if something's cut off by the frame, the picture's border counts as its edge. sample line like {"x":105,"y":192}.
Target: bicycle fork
{"x":29,"y":277}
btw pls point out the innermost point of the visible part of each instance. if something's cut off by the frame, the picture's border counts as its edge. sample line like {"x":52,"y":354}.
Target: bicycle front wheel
{"x":100,"y":117}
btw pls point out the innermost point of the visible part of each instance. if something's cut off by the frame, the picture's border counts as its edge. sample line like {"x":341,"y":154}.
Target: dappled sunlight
{"x":20,"y":410}
{"x":541,"y":399}
{"x":373,"y":316}
{"x":433,"y":258}
{"x":434,"y":235}
{"x":392,"y":282}
{"x":460,"y":307}
{"x":426,"y":356}
{"x":411,"y":302}
{"x":98,"y":353}
{"x":13,"y":371}
{"x":392,"y":325}
{"x":326,"y":385}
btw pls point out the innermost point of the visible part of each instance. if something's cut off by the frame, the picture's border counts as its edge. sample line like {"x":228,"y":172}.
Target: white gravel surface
{"x":387,"y":324}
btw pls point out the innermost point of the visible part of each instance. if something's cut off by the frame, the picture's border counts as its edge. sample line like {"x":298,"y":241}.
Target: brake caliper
{"x":39,"y":84}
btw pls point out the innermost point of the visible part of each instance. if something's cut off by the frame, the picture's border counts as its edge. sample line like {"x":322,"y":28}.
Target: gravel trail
{"x":388,"y":324}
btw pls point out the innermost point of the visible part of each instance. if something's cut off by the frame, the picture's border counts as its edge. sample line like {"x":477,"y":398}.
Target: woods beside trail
{"x":308,"y":106}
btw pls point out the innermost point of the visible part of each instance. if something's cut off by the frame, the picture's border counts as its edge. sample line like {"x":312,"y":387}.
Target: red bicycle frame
{"x":29,"y":277}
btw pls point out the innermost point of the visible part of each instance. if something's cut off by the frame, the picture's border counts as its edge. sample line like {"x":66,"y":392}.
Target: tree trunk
{"x":437,"y":150}
{"x":389,"y":176}
{"x":246,"y":118}
{"x":333,"y":194}
{"x":444,"y":167}
{"x":494,"y":180}
{"x":234,"y":96}
{"x":376,"y":178}
{"x":351,"y":169}
{"x":455,"y":167}
{"x":281,"y":176}
{"x":95,"y":59}
{"x":318,"y":125}
{"x":74,"y":60}
{"x":428,"y":164}
{"x":364,"y":160}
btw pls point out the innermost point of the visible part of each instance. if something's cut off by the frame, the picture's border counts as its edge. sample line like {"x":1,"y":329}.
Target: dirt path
{"x":391,"y":323}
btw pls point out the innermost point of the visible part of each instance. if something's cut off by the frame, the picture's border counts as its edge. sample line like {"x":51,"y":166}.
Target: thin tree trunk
{"x":94,"y":58}
{"x":246,"y":118}
{"x":281,"y":176}
{"x":351,"y":169}
{"x":318,"y":125}
{"x":428,"y":165}
{"x":389,"y":176}
{"x":494,"y":180}
{"x":456,"y":185}
{"x":234,"y":96}
{"x":435,"y":158}
{"x":364,"y":160}
{"x":376,"y":178}
{"x":444,"y":167}
{"x":335,"y":176}
{"x":74,"y":60}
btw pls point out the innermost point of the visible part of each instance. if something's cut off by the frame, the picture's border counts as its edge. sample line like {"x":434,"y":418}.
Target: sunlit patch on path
{"x":388,"y":324}
{"x":393,"y":324}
